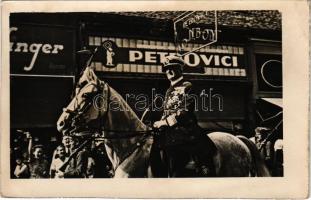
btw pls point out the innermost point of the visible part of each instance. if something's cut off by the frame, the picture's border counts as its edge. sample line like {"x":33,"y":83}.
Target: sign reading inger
{"x":41,"y":50}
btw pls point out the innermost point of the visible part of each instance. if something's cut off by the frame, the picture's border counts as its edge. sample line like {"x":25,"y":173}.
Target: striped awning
{"x":276,"y":101}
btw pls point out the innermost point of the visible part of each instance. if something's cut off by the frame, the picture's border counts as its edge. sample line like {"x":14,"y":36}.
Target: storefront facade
{"x":227,"y":75}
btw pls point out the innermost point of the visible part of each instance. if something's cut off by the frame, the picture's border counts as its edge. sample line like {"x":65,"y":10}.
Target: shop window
{"x":269,"y":72}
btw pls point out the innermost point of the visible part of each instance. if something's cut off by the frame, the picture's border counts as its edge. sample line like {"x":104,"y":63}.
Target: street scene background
{"x":237,"y":77}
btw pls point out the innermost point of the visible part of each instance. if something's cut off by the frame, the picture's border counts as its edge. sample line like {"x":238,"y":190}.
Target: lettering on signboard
{"x":193,"y":27}
{"x":194,"y":19}
{"x":192,"y":59}
{"x":200,"y":34}
{"x":35,"y":48}
{"x":224,"y":60}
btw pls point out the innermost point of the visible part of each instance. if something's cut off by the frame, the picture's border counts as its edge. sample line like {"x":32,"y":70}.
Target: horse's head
{"x":88,"y":112}
{"x":89,"y":102}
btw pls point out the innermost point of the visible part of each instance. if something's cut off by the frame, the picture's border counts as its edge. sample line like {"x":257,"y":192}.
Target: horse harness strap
{"x":134,"y":134}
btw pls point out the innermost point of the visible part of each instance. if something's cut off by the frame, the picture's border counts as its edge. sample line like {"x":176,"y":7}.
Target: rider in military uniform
{"x":182,"y":137}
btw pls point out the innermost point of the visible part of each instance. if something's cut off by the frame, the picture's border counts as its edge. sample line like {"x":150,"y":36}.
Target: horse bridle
{"x":78,"y":114}
{"x":78,"y":110}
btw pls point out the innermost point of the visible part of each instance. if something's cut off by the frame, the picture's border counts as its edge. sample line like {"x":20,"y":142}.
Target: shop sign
{"x":110,"y":55}
{"x":196,"y":26}
{"x":41,"y":50}
{"x":192,"y":59}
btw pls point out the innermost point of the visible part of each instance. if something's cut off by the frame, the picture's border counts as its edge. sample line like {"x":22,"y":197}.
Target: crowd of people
{"x":271,"y":150}
{"x":69,"y":160}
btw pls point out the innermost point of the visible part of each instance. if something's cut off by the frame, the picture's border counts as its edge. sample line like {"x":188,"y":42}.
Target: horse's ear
{"x":88,"y":76}
{"x":92,"y":76}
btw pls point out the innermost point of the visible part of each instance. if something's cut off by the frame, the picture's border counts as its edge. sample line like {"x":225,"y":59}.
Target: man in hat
{"x":264,"y":144}
{"x":78,"y":161}
{"x":182,"y":137}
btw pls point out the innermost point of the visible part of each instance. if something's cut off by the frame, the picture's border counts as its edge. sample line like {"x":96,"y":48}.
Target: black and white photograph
{"x":157,"y":94}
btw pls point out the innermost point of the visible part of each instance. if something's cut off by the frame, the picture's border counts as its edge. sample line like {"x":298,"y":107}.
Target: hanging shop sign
{"x":196,"y":26}
{"x":113,"y":55}
{"x":41,"y":50}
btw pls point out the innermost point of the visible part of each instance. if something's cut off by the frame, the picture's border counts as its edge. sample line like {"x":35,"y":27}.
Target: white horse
{"x":98,"y":107}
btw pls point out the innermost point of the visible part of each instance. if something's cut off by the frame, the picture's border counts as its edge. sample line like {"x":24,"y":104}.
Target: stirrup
{"x":205,"y":170}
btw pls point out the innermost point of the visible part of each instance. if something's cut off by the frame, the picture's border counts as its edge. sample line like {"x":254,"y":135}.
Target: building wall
{"x":238,"y":85}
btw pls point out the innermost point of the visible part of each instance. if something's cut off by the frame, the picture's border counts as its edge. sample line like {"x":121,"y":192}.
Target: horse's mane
{"x":125,"y":142}
{"x":121,"y":121}
{"x":121,"y":110}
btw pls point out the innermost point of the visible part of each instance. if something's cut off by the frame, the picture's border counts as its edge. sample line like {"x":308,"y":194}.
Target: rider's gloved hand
{"x":160,"y":124}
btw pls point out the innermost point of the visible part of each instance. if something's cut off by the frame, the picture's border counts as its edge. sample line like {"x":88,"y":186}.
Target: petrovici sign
{"x":111,"y":55}
{"x":192,"y":60}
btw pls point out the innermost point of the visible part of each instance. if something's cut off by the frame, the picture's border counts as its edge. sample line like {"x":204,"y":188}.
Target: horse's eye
{"x":85,"y":95}
{"x":82,"y":84}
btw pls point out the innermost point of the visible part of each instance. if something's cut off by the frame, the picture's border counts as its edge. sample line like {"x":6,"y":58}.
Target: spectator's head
{"x":38,"y":151}
{"x":261,"y":132}
{"x":25,"y":156}
{"x":18,"y":161}
{"x":67,"y":141}
{"x":60,"y":150}
{"x":74,"y":143}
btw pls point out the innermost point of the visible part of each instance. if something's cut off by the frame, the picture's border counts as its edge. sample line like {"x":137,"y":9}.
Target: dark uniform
{"x":77,"y":167}
{"x":178,"y":113}
{"x":39,"y":168}
{"x":78,"y":164}
{"x":183,"y":138}
{"x":264,"y":144}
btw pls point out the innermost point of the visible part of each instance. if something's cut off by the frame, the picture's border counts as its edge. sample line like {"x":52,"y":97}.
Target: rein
{"x":134,"y":134}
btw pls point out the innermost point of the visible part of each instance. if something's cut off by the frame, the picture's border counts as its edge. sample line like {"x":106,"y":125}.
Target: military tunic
{"x":183,"y":139}
{"x":179,"y":105}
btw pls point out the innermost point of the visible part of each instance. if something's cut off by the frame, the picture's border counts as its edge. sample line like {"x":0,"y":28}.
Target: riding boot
{"x":205,"y":165}
{"x":157,"y":162}
{"x":205,"y":152}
